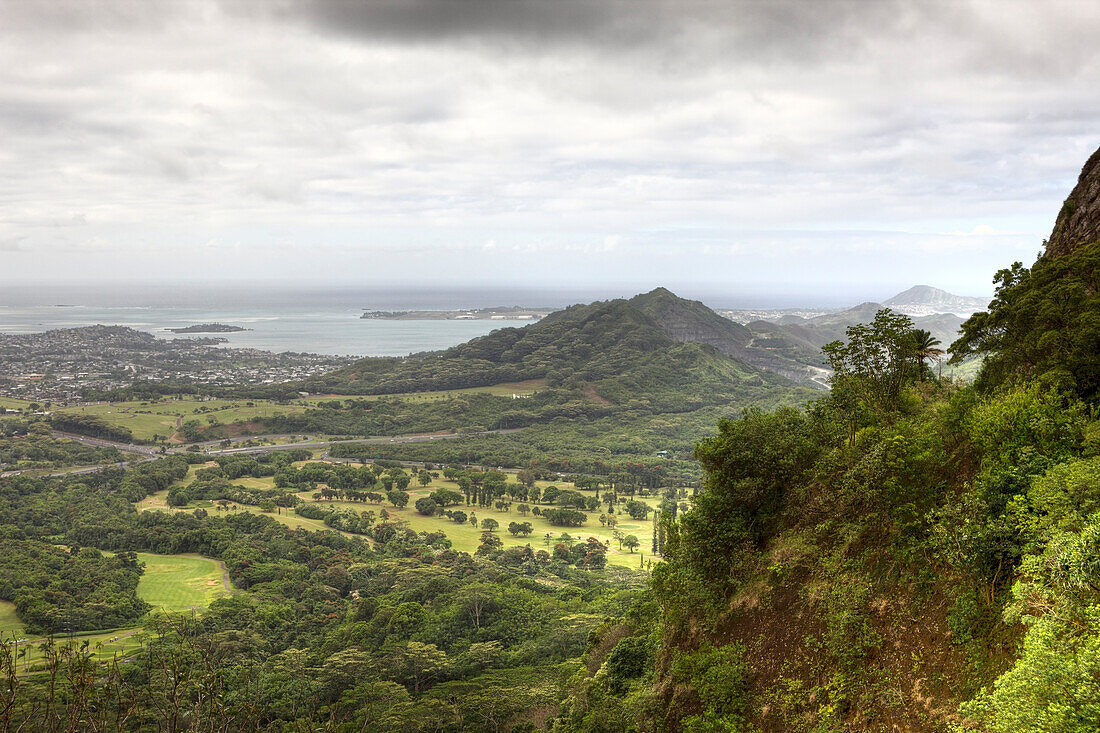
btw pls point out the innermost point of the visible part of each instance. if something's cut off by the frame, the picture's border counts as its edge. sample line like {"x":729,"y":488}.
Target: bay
{"x":335,"y":330}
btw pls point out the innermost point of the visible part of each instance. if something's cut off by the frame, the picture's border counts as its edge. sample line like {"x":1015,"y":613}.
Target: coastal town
{"x":65,"y":365}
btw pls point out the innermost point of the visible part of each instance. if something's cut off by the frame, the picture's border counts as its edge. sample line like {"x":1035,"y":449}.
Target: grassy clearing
{"x":9,"y":621}
{"x":463,"y":537}
{"x":10,"y":403}
{"x":466,"y":538}
{"x":171,"y":583}
{"x":505,"y":389}
{"x":175,"y":583}
{"x":148,"y":418}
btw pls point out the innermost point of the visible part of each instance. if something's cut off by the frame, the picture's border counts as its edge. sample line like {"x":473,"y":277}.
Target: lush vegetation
{"x":26,"y":444}
{"x":91,"y":425}
{"x":896,"y":543}
{"x":408,"y":633}
{"x":59,"y":590}
{"x":582,"y":344}
{"x":1043,"y":325}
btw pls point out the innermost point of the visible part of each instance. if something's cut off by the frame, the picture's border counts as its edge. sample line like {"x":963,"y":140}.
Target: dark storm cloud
{"x":793,"y":28}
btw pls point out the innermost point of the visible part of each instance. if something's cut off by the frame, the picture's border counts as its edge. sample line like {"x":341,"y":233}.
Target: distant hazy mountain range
{"x":789,"y":343}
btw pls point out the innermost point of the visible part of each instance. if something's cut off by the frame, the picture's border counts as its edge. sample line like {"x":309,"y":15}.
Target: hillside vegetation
{"x":899,"y":555}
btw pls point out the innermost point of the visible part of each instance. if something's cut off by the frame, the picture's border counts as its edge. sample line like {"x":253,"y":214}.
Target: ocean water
{"x":292,"y":317}
{"x":313,"y":328}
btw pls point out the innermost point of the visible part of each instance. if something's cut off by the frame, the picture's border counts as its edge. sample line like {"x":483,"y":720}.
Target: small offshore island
{"x":503,"y":313}
{"x":208,"y":328}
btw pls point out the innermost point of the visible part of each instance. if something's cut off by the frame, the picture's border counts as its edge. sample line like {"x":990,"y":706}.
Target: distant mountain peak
{"x":918,"y":294}
{"x":925,"y":300}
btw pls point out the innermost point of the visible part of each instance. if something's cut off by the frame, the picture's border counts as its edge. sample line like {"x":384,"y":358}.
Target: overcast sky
{"x":809,"y":148}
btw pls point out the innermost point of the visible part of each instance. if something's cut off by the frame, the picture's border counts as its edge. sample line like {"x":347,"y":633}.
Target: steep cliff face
{"x":1078,"y":223}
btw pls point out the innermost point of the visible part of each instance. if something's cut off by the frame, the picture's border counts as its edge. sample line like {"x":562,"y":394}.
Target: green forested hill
{"x":612,"y":374}
{"x":581,"y":344}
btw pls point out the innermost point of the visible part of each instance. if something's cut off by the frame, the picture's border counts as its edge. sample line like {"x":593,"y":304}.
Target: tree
{"x":489,"y":524}
{"x":1041,"y":325}
{"x":416,"y":663}
{"x":630,"y":542}
{"x":466,"y":486}
{"x":398,"y":498}
{"x":424,"y":478}
{"x":523,"y":509}
{"x":523,"y":528}
{"x":426,"y":506}
{"x":489,"y":543}
{"x":475,"y":599}
{"x":446,"y":497}
{"x":369,"y":700}
{"x":565,"y":517}
{"x":873,"y":364}
{"x":925,"y":347}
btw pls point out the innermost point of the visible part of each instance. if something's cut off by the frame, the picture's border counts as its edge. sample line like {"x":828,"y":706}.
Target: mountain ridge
{"x":1078,"y":221}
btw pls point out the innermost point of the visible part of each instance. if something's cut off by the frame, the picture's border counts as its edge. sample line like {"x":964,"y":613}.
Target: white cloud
{"x":743,"y":132}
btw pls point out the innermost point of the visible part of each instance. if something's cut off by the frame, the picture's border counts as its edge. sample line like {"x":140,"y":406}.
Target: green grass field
{"x":146,"y":419}
{"x":171,"y":583}
{"x":176,"y":583}
{"x":10,"y":403}
{"x":9,"y":621}
{"x":463,"y":537}
{"x":466,"y":538}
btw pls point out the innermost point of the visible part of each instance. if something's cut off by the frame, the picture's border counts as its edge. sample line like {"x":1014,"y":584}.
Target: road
{"x":357,"y":441}
{"x":149,"y":453}
{"x":101,"y":443}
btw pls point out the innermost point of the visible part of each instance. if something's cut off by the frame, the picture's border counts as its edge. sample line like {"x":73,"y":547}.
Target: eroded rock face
{"x":1078,"y":222}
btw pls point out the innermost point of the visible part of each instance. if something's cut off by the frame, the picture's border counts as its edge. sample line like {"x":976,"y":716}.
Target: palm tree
{"x":925,"y":347}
